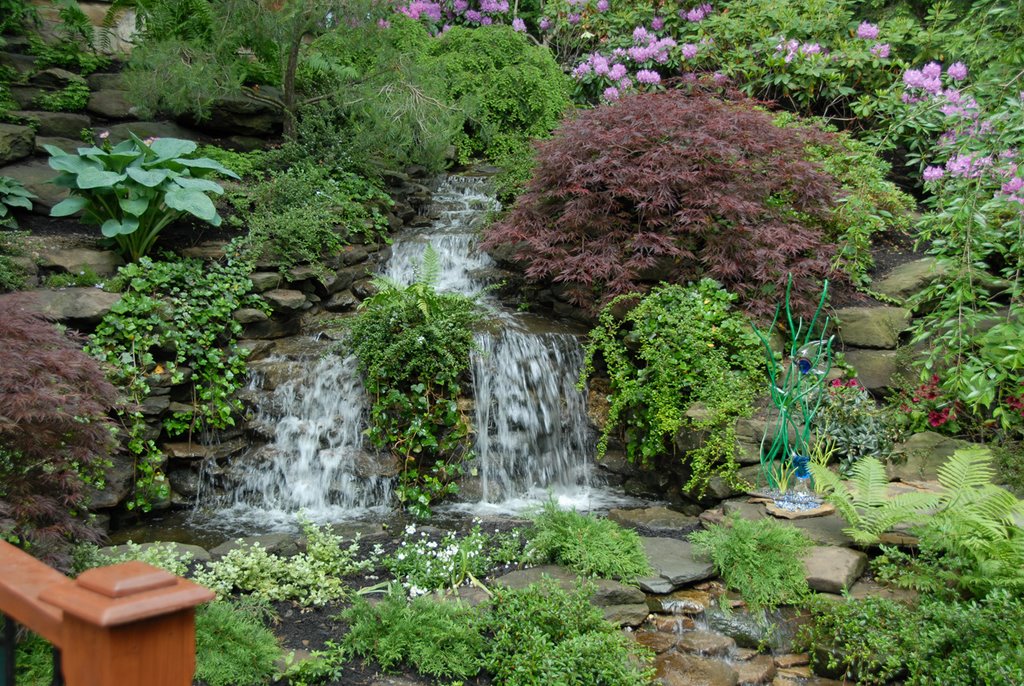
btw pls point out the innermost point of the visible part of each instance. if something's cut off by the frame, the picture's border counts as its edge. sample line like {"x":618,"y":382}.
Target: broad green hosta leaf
{"x":69,"y":163}
{"x":68,"y":206}
{"x":113,"y":227}
{"x":94,"y":178}
{"x":206,"y":163}
{"x":17,"y":201}
{"x":149,"y":177}
{"x":135,"y":206}
{"x":192,"y":184}
{"x":170,"y":148}
{"x":194,"y":202}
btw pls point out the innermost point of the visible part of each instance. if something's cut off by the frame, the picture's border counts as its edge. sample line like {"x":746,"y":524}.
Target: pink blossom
{"x":880,"y":50}
{"x":932,"y":70}
{"x":461,"y":6}
{"x":611,"y":93}
{"x":639,"y":35}
{"x":518,"y":25}
{"x":933,"y":173}
{"x":486,"y":21}
{"x":689,"y":51}
{"x":867,"y":31}
{"x":617,"y":72}
{"x":103,"y":135}
{"x":657,"y":24}
{"x":1014,"y":185}
{"x":544,"y":23}
{"x":384,"y":23}
{"x":957,"y":71}
{"x":573,"y":19}
{"x":648,"y":76}
{"x":602,"y":6}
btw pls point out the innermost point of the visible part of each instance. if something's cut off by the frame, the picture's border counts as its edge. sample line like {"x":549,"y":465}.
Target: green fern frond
{"x":429,"y":271}
{"x":870,"y":483}
{"x":967,"y":469}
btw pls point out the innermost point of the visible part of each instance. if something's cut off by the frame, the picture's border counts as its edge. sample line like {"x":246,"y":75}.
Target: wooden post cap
{"x":125,"y":593}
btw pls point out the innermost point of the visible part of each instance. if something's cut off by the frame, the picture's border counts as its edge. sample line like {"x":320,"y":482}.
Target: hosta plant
{"x":12,"y":194}
{"x":135,"y":189}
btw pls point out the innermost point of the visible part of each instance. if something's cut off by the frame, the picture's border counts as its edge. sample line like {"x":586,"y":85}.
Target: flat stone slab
{"x":277,"y":544}
{"x":655,"y":521}
{"x":910,"y":278}
{"x":608,"y":592}
{"x":755,"y":671}
{"x":827,"y":530}
{"x":706,"y":643}
{"x":676,"y":669}
{"x":35,"y":175}
{"x":76,"y":305}
{"x":872,"y":327}
{"x":830,"y":569}
{"x":625,"y":615}
{"x":284,"y":299}
{"x":74,"y":260}
{"x":922,"y":454}
{"x":674,"y":565}
{"x":876,"y":368}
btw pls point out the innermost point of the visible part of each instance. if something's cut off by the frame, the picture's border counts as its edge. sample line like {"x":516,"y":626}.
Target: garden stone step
{"x":36,"y":175}
{"x":111,"y":104}
{"x":755,"y":671}
{"x":286,"y":300}
{"x":876,"y":369}
{"x":16,"y":142}
{"x":76,"y":306}
{"x":872,"y":327}
{"x":675,"y":669}
{"x":910,"y":278}
{"x":674,"y":565}
{"x":57,"y":124}
{"x":68,"y":145}
{"x":706,"y":643}
{"x":658,"y":641}
{"x":922,"y":454}
{"x":830,"y":569}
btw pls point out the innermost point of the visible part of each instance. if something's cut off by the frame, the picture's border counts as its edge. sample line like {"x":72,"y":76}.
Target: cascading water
{"x":532,"y":438}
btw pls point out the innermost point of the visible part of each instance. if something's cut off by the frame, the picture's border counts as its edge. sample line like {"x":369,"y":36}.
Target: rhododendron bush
{"x":674,"y":186}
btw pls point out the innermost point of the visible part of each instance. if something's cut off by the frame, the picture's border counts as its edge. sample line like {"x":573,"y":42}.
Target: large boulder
{"x":54,"y":79}
{"x":57,"y":124}
{"x":910,"y":278}
{"x":241,"y":114}
{"x":118,"y":479}
{"x":676,"y":669}
{"x":16,"y":142}
{"x":830,"y":569}
{"x":111,"y":104}
{"x":655,"y":521}
{"x":79,"y":307}
{"x":872,"y":327}
{"x":36,"y":175}
{"x":674,"y":565}
{"x":919,"y":457}
{"x":100,"y":262}
{"x":877,"y":370}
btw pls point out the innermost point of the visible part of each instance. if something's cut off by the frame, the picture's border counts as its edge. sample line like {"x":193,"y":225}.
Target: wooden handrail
{"x":115,"y":626}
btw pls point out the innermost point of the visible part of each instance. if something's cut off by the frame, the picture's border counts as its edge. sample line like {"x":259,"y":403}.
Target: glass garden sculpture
{"x":796,"y":391}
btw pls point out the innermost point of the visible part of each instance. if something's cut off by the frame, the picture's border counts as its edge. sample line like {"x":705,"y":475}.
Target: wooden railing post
{"x":127,"y":625}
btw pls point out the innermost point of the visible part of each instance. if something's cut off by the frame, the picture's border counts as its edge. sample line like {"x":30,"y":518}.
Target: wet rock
{"x":76,"y":306}
{"x":788,"y":660}
{"x":674,"y":565}
{"x":185,"y":482}
{"x":658,"y":641}
{"x":74,"y":260}
{"x":276,"y":327}
{"x":369,"y":465}
{"x":194,"y":451}
{"x":284,"y":545}
{"x":706,"y":643}
{"x":747,"y":630}
{"x":625,"y":615}
{"x":830,"y":569}
{"x":364,"y":288}
{"x":272,"y":374}
{"x":872,"y":327}
{"x":155,"y":405}
{"x":756,"y":671}
{"x":16,"y":142}
{"x":688,"y":602}
{"x":675,"y":669}
{"x":118,"y":478}
{"x":922,"y":454}
{"x":655,"y":521}
{"x":672,"y":624}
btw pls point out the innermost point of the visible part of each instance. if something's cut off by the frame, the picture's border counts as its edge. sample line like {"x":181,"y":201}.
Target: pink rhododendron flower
{"x":880,"y":50}
{"x":648,"y":76}
{"x":957,"y":71}
{"x":867,"y":31}
{"x":518,"y":25}
{"x":933,"y":173}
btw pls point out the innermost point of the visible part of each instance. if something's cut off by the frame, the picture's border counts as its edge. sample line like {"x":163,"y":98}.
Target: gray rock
{"x":755,"y":671}
{"x":749,"y":631}
{"x":369,"y":465}
{"x":871,"y":589}
{"x":872,"y":327}
{"x":76,"y":306}
{"x":208,"y":251}
{"x":66,"y":144}
{"x":36,"y":175}
{"x":57,"y":124}
{"x":73,"y":260}
{"x":877,"y":369}
{"x":249,"y":315}
{"x":827,"y":530}
{"x":240,"y":114}
{"x":276,"y":327}
{"x":16,"y":142}
{"x":286,"y":300}
{"x":625,"y":615}
{"x":186,"y":482}
{"x":284,"y":545}
{"x":118,"y":479}
{"x":22,"y":64}
{"x":265,"y":281}
{"x":920,"y":456}
{"x":25,"y":96}
{"x":198,"y":553}
{"x":195,"y":451}
{"x":910,"y":278}
{"x":746,"y":510}
{"x":54,"y":79}
{"x":676,"y":669}
{"x":655,"y":521}
{"x":833,"y":570}
{"x":155,"y":405}
{"x":111,"y":104}
{"x":343,"y":301}
{"x":102,"y":81}
{"x":673,"y":563}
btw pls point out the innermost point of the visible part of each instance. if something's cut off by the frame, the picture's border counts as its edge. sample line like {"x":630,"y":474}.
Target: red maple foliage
{"x":673,"y":186}
{"x":54,"y":429}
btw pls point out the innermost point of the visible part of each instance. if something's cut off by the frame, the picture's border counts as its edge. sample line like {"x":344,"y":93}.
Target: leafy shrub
{"x":248,"y":165}
{"x":422,"y":565}
{"x":233,"y":647}
{"x":313,"y":577}
{"x":587,"y":545}
{"x":16,"y":15}
{"x":185,"y":307}
{"x":961,"y":643}
{"x":12,"y":276}
{"x":848,"y":418}
{"x":12,"y":194}
{"x":544,"y":635}
{"x":73,"y":47}
{"x":511,"y":91}
{"x":134,"y":190}
{"x":761,"y":560}
{"x":54,"y":432}
{"x":679,"y":347}
{"x":166,"y":556}
{"x":437,"y":639}
{"x":968,"y":538}
{"x":72,"y":98}
{"x":306,"y":215}
{"x":413,"y":345}
{"x":673,"y":186}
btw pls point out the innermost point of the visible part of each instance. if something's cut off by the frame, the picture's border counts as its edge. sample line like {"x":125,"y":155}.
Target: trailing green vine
{"x":413,"y":345}
{"x":173,"y":325}
{"x":679,"y":348}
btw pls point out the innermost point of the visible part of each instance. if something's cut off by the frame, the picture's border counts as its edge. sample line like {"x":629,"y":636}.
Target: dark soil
{"x":49,"y":232}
